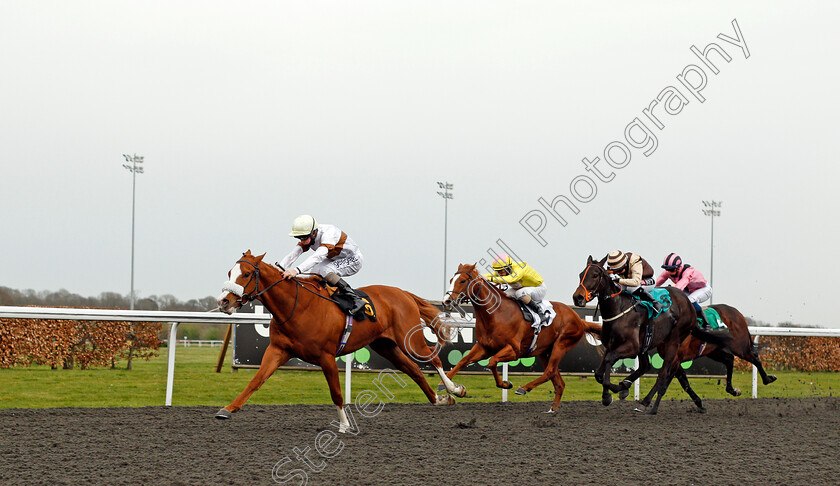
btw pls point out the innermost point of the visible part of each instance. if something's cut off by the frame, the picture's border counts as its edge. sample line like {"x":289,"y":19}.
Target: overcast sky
{"x":251,"y":113}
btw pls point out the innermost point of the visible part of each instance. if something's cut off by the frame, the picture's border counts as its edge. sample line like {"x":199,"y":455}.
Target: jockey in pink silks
{"x":689,"y":280}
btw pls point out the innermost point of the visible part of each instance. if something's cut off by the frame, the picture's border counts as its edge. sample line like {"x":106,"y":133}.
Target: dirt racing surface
{"x":764,"y":441}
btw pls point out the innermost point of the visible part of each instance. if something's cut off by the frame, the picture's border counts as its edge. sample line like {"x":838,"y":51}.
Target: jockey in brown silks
{"x":632,"y":272}
{"x":335,"y":256}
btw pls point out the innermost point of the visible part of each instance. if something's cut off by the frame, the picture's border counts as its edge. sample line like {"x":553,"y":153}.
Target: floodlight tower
{"x":713,"y":209}
{"x":446,"y":195}
{"x":134,"y":168}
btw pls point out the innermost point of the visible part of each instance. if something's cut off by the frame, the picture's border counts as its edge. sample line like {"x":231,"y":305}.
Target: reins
{"x":248,"y":297}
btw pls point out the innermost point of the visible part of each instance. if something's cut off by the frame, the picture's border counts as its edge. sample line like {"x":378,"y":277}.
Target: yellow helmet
{"x":303,"y":225}
{"x":503,"y":263}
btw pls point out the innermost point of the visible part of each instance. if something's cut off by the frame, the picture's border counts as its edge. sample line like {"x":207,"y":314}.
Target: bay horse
{"x":308,"y":325}
{"x":623,"y":325}
{"x":737,"y":342}
{"x":503,"y":334}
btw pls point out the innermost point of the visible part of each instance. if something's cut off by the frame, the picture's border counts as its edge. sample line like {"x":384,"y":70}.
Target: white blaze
{"x":235,"y":272}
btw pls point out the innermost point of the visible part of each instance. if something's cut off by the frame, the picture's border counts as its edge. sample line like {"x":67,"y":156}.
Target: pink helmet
{"x":672,"y":262}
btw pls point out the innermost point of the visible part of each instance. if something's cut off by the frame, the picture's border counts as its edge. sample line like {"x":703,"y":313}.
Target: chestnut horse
{"x":503,"y":334}
{"x":306,"y":324}
{"x":737,"y":342}
{"x":623,"y":324}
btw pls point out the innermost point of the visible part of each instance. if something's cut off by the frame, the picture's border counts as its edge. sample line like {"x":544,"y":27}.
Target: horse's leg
{"x":625,"y":384}
{"x":390,"y":351}
{"x":477,"y":353}
{"x":561,"y":346}
{"x":273,"y":358}
{"x":627,"y":348}
{"x":506,"y":354}
{"x":751,"y":355}
{"x":644,"y":366}
{"x":683,"y":379}
{"x":607,"y":362}
{"x":728,"y":361}
{"x":667,"y":372}
{"x":330,"y":370}
{"x":414,"y":345}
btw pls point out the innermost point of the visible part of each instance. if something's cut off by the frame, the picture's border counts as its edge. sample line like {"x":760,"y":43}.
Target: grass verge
{"x":196,"y":383}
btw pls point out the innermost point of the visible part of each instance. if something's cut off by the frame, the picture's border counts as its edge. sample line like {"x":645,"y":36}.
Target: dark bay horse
{"x":503,"y":334}
{"x":623,"y":325}
{"x":737,"y":342}
{"x":307,"y":325}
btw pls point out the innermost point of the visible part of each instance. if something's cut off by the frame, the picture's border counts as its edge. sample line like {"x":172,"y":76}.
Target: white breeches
{"x":343,"y":267}
{"x":700,"y":295}
{"x":537,"y":293}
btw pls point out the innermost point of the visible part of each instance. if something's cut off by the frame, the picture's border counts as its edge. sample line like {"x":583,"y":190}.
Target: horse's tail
{"x":716,"y":338}
{"x":429,"y":314}
{"x":591,"y":328}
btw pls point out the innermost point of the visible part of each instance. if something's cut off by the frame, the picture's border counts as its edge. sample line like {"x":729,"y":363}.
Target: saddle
{"x":660,"y":294}
{"x":345,"y":303}
{"x":526,"y":312}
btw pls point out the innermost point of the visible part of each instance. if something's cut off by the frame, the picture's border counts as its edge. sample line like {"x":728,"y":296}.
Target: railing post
{"x":170,"y":372}
{"x":637,"y":385}
{"x":755,"y":372}
{"x":504,"y":378}
{"x":348,"y":366}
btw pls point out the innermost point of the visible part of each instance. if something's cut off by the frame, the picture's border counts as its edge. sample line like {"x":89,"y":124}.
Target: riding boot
{"x":535,"y":306}
{"x":643,"y":294}
{"x":345,"y":289}
{"x":702,"y":316}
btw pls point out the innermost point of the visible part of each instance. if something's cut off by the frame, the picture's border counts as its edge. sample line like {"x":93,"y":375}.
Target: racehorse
{"x":503,"y":334}
{"x":624,"y":323}
{"x":306,"y":324}
{"x":737,"y":343}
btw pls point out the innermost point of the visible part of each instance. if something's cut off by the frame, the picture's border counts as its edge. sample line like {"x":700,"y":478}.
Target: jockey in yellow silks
{"x":524,"y":283}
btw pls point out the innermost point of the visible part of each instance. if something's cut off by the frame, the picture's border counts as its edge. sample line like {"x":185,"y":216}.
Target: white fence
{"x":177,"y":317}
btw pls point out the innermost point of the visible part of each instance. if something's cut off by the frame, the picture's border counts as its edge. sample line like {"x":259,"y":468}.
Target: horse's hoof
{"x":461,"y":391}
{"x":550,"y":411}
{"x":623,"y":394}
{"x":222,"y":414}
{"x":638,"y":409}
{"x":651,"y":412}
{"x":606,"y":400}
{"x":521,"y":391}
{"x":507,"y":385}
{"x":701,"y":410}
{"x":441,"y":388}
{"x":770,"y":379}
{"x":445,"y":400}
{"x":735,"y":392}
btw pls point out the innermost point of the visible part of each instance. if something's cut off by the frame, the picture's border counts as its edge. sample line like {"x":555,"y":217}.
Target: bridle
{"x":456,"y":303}
{"x":591,"y":295}
{"x":246,"y":297}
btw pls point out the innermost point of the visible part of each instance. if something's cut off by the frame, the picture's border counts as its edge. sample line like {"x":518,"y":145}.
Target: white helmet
{"x":303,"y":225}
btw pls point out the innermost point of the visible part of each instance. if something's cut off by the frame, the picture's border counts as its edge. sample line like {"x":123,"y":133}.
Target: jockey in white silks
{"x":335,"y":256}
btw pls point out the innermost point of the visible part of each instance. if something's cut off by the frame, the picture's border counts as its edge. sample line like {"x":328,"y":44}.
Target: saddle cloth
{"x":714,"y":319}
{"x":345,"y":303}
{"x":532,"y":317}
{"x":659,"y":293}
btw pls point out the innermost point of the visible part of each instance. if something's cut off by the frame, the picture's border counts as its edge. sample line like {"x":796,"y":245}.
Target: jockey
{"x":336,"y":256}
{"x":631,"y":271}
{"x":525,"y":284}
{"x":689,"y":280}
